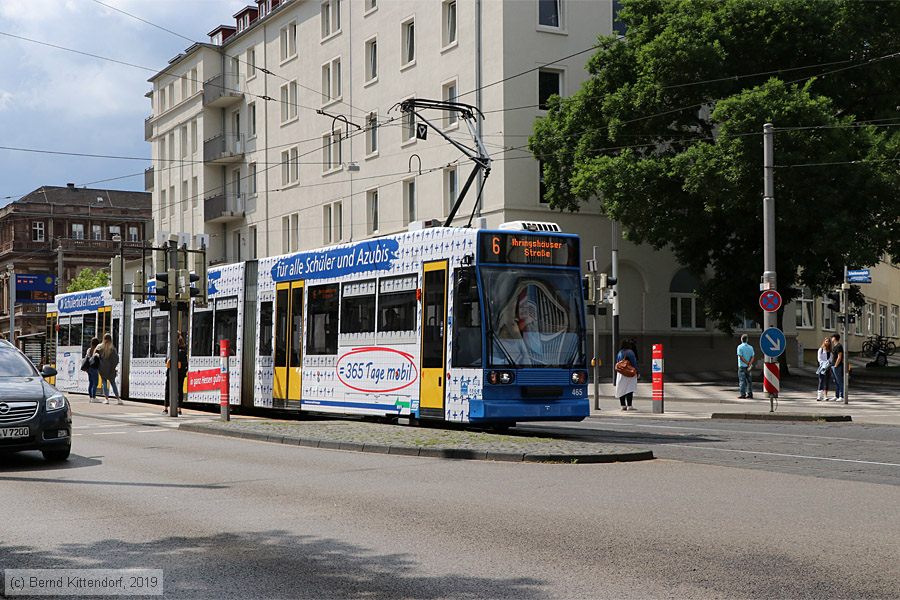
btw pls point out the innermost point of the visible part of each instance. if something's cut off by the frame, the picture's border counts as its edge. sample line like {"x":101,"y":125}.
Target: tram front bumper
{"x":528,"y":410}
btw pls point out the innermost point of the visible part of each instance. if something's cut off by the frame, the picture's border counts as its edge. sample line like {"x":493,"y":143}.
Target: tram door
{"x":288,"y":340}
{"x":434,"y":340}
{"x":104,"y":314}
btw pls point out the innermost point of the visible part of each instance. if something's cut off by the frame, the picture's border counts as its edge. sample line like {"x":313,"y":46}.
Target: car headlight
{"x":56,"y":402}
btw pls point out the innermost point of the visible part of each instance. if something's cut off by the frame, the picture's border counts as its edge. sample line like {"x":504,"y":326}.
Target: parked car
{"x":34,"y":415}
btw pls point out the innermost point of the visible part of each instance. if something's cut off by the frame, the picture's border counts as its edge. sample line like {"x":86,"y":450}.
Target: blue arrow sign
{"x":772,"y":342}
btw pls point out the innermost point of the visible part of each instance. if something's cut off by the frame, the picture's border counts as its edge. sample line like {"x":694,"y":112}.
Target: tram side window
{"x":226,"y":326}
{"x":202,"y":333}
{"x":159,"y":336}
{"x":397,"y":311}
{"x":358,"y":307}
{"x":265,"y":328}
{"x":64,"y":331}
{"x":89,"y":331}
{"x":141,"y":338}
{"x":75,"y":333}
{"x":466,"y":320}
{"x":281,"y":319}
{"x":322,"y":328}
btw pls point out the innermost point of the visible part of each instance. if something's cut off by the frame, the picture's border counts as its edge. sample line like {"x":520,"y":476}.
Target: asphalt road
{"x":230,"y":518}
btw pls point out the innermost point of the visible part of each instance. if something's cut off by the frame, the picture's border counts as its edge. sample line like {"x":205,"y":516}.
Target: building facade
{"x":60,"y":231}
{"x":283,"y":133}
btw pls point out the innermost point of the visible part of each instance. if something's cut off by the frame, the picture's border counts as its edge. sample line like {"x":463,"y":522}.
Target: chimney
{"x":71,"y":186}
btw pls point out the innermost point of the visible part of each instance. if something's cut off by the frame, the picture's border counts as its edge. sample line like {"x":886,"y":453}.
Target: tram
{"x":440,"y":323}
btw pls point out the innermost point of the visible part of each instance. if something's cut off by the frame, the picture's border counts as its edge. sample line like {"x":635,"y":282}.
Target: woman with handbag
{"x":91,"y":364}
{"x":109,"y":361}
{"x":626,"y":374}
{"x":824,"y":370}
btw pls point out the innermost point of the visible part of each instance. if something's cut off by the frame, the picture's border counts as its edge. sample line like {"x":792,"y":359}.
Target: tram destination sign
{"x":528,"y":249}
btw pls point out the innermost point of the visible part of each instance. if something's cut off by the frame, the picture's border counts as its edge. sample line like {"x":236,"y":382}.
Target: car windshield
{"x":13,"y":364}
{"x":534,"y":316}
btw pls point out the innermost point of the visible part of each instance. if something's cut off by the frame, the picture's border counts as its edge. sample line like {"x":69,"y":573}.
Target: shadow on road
{"x":33,"y":461}
{"x":598,"y":435}
{"x":272,"y":564}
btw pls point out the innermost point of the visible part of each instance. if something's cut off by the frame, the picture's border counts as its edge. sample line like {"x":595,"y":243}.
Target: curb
{"x":449,"y":453}
{"x":783,"y":417}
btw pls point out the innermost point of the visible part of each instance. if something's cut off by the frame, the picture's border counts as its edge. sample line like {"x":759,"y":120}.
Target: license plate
{"x":14,"y":432}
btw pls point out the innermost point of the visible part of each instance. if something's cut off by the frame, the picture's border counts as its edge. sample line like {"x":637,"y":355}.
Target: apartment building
{"x":282,"y":133}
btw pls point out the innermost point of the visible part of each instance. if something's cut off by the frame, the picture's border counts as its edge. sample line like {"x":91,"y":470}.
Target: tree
{"x":666,"y":134}
{"x":88,"y":279}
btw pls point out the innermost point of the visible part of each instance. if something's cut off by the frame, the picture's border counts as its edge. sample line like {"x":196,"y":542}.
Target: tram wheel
{"x":503,"y":427}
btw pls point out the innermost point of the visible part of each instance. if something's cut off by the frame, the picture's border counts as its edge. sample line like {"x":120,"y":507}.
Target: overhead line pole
{"x":769,"y":279}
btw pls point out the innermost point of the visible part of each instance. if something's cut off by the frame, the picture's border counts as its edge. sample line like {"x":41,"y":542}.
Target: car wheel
{"x":58,"y":455}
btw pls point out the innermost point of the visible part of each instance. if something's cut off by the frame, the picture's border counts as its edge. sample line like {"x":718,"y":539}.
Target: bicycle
{"x":877,"y":344}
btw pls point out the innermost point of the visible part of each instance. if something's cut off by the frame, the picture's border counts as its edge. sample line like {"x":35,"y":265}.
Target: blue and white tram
{"x":459,"y":325}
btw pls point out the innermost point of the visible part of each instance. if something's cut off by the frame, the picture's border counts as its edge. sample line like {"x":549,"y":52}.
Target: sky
{"x":52,"y":99}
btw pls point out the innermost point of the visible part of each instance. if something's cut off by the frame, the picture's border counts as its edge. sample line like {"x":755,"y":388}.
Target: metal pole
{"x":845,"y":292}
{"x":172,"y":259}
{"x":596,"y":346}
{"x":11,"y":278}
{"x":615,"y":296}
{"x":769,"y":276}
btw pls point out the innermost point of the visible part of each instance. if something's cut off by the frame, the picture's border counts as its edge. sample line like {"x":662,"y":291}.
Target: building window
{"x":372,"y":210}
{"x":828,"y":320}
{"x":451,"y":188}
{"x":550,"y":13}
{"x":331,"y":17}
{"x":171,"y":200}
{"x":251,"y":120}
{"x":194,"y":84}
{"x":195,"y":192}
{"x":285,"y":234}
{"x":895,"y":320}
{"x":549,"y":84}
{"x":194,"y":136}
{"x":331,"y":151}
{"x":171,"y":138}
{"x":132,"y":233}
{"x":448,"y":12}
{"x":331,"y":81}
{"x":326,"y":224}
{"x":409,"y":127}
{"x":449,"y":93}
{"x":338,"y":217}
{"x":77,"y":231}
{"x":870,"y":318}
{"x":409,"y":201}
{"x":115,"y":230}
{"x":184,"y":87}
{"x":251,"y":249}
{"x":805,"y":316}
{"x":184,"y":194}
{"x":162,"y":202}
{"x":371,"y":5}
{"x":251,"y":179}
{"x":288,"y":41}
{"x":290,"y":166}
{"x":685,"y":308}
{"x":882,"y":320}
{"x":37,"y":231}
{"x":251,"y":63}
{"x":171,"y":94}
{"x":408,"y":48}
{"x":372,"y":60}
{"x":184,"y":141}
{"x":288,"y":101}
{"x":372,"y":133}
{"x":542,"y":184}
{"x":161,"y":100}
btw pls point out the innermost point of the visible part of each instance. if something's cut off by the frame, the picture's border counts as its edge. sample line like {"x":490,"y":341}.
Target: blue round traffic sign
{"x":772,"y":342}
{"x":770,"y":301}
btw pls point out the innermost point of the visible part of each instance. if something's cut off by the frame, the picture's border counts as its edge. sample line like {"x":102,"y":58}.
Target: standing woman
{"x":626,"y":374}
{"x":824,"y":370}
{"x":93,"y":370}
{"x":109,"y":360}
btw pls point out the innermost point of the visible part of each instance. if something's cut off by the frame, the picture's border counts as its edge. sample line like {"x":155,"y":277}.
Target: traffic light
{"x":165,"y":289}
{"x":606,"y":284}
{"x":115,"y":277}
{"x":588,"y":288}
{"x":140,"y":283}
{"x":201,"y":298}
{"x":183,"y":285}
{"x":833,"y":302}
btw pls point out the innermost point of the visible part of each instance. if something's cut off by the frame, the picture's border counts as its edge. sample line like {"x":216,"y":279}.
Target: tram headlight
{"x":579,"y":377}
{"x":501,"y":377}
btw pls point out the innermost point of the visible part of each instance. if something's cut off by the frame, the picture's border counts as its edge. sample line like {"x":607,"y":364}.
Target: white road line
{"x":861,"y":462}
{"x":702,"y":429}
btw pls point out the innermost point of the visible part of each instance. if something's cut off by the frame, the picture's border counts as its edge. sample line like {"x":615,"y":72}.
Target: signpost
{"x":772,"y":342}
{"x":859,"y":276}
{"x":658,"y":368}
{"x":770,"y":301}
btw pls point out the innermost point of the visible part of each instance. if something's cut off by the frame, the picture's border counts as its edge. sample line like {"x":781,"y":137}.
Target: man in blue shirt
{"x":745,"y":356}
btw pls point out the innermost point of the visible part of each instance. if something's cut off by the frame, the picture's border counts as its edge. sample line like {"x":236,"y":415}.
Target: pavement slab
{"x":361,"y":436}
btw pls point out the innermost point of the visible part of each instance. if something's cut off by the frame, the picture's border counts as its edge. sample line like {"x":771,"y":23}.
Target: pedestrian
{"x":837,"y":366}
{"x":626,"y":374}
{"x":109,"y":362}
{"x":745,"y":355}
{"x":93,"y":370}
{"x":182,"y":373}
{"x":824,"y":370}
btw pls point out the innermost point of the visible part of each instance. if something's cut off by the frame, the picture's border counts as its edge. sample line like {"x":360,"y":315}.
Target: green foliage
{"x":667,"y":135}
{"x":88,"y":279}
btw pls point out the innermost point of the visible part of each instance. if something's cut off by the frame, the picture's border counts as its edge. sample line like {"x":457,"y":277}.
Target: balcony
{"x":100,"y":248}
{"x":148,"y":179}
{"x":223,"y":208}
{"x":223,"y":149}
{"x":222,"y":90}
{"x":148,"y":128}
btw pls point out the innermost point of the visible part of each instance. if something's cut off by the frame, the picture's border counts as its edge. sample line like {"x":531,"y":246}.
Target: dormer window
{"x":216,"y":39}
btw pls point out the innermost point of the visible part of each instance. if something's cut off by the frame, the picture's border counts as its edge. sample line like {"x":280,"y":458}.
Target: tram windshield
{"x":534,"y":317}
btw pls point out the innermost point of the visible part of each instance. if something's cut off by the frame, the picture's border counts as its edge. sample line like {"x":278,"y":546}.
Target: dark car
{"x":34,"y":415}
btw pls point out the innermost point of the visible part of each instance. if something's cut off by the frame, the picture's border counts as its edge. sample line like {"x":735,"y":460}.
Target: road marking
{"x":861,"y":462}
{"x":715,"y":430}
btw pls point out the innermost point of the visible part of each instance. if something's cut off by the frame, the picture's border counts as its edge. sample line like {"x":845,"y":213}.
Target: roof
{"x":76,"y":196}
